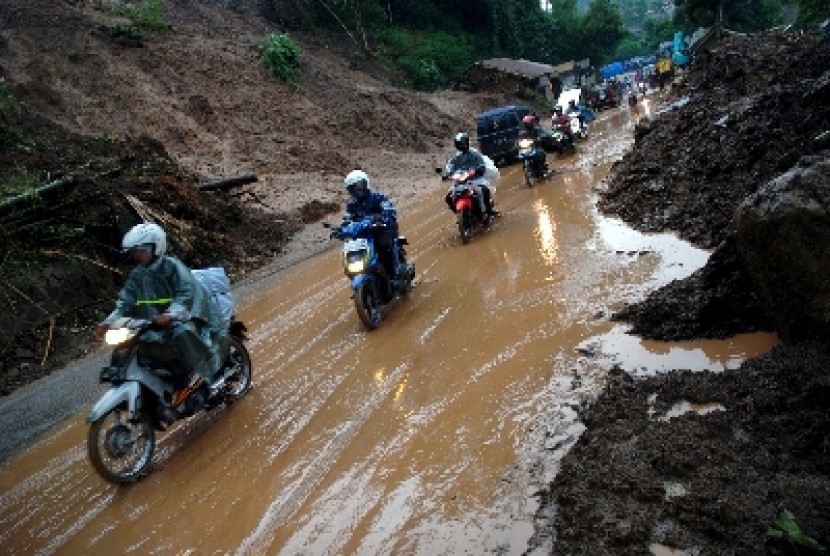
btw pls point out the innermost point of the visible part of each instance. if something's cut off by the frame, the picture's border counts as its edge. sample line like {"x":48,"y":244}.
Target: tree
{"x":563,"y":31}
{"x":812,"y":11}
{"x":629,"y":48}
{"x":657,"y":31}
{"x":742,"y":15}
{"x":600,"y":32}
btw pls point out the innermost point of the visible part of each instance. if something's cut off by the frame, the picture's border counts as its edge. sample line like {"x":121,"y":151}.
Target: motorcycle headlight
{"x":355,"y":262}
{"x":525,"y":143}
{"x":117,"y":336}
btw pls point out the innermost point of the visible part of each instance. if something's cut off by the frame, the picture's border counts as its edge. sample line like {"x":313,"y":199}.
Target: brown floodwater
{"x":405,"y":440}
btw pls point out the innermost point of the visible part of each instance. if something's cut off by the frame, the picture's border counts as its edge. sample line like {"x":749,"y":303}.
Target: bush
{"x":429,"y":60}
{"x":282,"y":58}
{"x":146,"y":14}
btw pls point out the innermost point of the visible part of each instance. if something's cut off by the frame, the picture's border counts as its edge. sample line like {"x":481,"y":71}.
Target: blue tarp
{"x":612,"y":70}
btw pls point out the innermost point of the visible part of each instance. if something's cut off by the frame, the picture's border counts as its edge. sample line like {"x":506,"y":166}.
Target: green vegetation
{"x":105,"y":138}
{"x":20,"y":182}
{"x":129,"y":32}
{"x":282,"y":58}
{"x":426,"y":57}
{"x":786,"y":528}
{"x":146,"y":14}
{"x":812,"y":11}
{"x":740,"y":15}
{"x":432,"y":42}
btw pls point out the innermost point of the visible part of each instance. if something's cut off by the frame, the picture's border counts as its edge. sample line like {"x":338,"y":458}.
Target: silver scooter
{"x":139,"y":402}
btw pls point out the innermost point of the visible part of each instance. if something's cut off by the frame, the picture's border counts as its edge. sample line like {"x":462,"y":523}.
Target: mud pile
{"x":713,"y":478}
{"x":747,"y":112}
{"x":61,"y":264}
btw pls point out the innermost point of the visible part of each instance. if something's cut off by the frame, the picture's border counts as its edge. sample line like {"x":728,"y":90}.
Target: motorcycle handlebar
{"x":374,"y":221}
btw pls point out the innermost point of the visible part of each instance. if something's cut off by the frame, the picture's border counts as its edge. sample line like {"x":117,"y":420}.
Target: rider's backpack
{"x":216,"y":282}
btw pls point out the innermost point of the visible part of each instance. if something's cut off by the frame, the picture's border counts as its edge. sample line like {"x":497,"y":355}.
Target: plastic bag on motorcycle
{"x":216,"y":282}
{"x":491,"y":171}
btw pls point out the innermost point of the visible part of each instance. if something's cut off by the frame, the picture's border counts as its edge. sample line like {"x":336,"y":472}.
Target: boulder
{"x":783,"y":235}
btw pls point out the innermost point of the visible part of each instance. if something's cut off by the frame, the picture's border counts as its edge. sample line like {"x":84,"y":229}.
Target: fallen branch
{"x":227,"y":183}
{"x":163,"y":219}
{"x":81,"y":257}
{"x":48,"y":341}
{"x":11,"y":203}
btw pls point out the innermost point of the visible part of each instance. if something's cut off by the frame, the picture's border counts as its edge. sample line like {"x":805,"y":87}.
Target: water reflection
{"x":546,"y":233}
{"x":648,"y":357}
{"x":646,"y":106}
{"x":676,"y":258}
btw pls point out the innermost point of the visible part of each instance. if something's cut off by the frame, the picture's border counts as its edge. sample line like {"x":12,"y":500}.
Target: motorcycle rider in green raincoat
{"x":189,"y":337}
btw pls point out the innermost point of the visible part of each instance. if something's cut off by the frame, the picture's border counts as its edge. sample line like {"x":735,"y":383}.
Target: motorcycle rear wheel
{"x":465,"y":225}
{"x":121,"y":449}
{"x":367,"y":304}
{"x":238,"y":383}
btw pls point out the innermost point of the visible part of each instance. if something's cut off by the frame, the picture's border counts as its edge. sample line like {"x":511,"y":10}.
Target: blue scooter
{"x":371,"y":284}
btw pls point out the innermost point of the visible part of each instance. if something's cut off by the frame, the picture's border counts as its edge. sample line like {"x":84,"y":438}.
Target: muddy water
{"x":416,"y":438}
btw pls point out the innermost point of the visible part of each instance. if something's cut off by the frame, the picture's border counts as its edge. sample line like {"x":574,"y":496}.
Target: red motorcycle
{"x":464,"y":199}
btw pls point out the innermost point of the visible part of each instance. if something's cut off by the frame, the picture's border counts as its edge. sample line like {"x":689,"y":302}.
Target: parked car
{"x":497,"y":131}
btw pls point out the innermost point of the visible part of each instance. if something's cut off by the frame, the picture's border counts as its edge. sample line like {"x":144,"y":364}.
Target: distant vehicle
{"x":497,"y":131}
{"x":604,"y":96}
{"x":532,"y":156}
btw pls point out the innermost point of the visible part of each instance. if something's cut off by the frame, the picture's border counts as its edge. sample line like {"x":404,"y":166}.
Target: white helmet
{"x":357,"y":183}
{"x":145,"y":235}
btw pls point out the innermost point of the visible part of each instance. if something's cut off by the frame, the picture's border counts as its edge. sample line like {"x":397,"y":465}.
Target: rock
{"x":783,"y":235}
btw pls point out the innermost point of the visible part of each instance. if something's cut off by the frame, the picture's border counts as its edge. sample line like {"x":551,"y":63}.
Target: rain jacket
{"x":197,"y":339}
{"x":373,"y":204}
{"x":470,"y":160}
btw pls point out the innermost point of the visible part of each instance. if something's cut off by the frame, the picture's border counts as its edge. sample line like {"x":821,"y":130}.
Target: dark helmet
{"x":529,"y":120}
{"x":462,"y":141}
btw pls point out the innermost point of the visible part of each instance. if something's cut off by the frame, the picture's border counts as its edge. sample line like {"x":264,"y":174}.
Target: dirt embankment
{"x":700,"y":462}
{"x":124,"y":131}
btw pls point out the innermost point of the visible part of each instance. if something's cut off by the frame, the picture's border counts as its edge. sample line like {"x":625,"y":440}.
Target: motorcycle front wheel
{"x":121,"y":448}
{"x":367,"y":304}
{"x":239,"y":360}
{"x":529,"y":178}
{"x":465,"y":225}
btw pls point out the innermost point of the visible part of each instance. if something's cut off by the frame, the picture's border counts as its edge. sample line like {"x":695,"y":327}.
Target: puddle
{"x":643,"y":358}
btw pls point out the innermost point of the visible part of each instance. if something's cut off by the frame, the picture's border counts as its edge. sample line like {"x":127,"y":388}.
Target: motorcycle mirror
{"x":327,"y":224}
